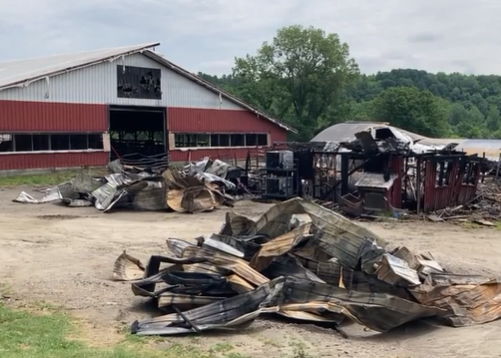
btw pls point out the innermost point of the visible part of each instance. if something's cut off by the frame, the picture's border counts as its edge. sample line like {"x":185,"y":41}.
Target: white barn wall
{"x":98,"y":84}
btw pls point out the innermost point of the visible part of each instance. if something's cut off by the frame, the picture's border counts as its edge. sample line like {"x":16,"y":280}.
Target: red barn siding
{"x":193,"y":120}
{"x":52,"y":160}
{"x":455,"y":193}
{"x":18,"y":116}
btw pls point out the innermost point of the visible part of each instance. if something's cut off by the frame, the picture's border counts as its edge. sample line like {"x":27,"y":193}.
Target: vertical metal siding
{"x":200,"y":120}
{"x":98,"y":84}
{"x":190,"y":120}
{"x":65,"y":117}
{"x":454,"y":193}
{"x":52,"y":160}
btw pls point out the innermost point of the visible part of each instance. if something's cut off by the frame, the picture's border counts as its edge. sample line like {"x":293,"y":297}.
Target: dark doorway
{"x":137,"y":130}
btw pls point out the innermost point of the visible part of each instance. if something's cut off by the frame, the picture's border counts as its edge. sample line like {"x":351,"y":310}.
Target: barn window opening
{"x":60,"y":141}
{"x":237,"y":140}
{"x":205,"y":140}
{"x":23,"y":142}
{"x":39,"y":142}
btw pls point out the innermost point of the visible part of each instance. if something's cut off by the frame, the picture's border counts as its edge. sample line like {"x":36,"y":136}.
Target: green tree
{"x":298,"y":77}
{"x":412,"y":109}
{"x":493,"y":120}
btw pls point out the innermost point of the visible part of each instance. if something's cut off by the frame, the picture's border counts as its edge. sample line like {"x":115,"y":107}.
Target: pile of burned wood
{"x":194,"y":188}
{"x":305,"y":262}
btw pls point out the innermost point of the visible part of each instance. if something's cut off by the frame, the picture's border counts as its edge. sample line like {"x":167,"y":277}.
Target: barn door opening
{"x":137,"y":130}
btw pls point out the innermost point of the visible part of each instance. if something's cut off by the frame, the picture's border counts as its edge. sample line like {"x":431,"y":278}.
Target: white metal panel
{"x":24,"y":70}
{"x":98,"y":84}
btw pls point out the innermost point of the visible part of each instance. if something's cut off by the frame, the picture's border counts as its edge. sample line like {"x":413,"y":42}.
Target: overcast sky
{"x":206,"y":35}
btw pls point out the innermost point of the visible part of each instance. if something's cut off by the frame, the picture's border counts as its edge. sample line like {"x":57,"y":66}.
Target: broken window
{"x":6,"y":143}
{"x":469,"y":175}
{"x":138,"y":82}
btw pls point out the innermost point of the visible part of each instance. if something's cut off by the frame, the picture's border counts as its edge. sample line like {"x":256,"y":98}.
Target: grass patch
{"x":28,"y":335}
{"x":43,"y":179}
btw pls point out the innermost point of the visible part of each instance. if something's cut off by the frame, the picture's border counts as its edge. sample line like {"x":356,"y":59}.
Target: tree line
{"x":307,"y":78}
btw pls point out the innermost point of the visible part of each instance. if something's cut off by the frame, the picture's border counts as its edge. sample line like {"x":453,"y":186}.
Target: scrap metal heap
{"x":302,"y":261}
{"x":200,"y":186}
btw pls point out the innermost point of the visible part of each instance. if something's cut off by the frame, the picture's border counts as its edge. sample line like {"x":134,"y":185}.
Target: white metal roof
{"x":23,"y":72}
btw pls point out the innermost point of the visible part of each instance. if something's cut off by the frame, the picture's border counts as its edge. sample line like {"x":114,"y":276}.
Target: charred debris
{"x":149,"y":184}
{"x":307,"y":263}
{"x":385,"y":174}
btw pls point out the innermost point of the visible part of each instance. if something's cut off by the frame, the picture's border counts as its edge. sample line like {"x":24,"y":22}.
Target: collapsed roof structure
{"x":345,"y":132}
{"x":374,"y":167}
{"x":302,"y":261}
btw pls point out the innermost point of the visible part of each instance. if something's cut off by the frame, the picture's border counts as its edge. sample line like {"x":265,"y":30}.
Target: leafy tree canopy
{"x":412,"y":109}
{"x":307,"y":78}
{"x":297,"y":76}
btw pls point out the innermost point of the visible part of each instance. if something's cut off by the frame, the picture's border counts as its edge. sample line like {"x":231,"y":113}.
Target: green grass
{"x":25,"y":334}
{"x":45,"y":179}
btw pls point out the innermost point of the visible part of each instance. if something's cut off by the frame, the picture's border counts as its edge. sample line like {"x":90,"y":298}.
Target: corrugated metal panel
{"x":193,"y":120}
{"x":50,"y":117}
{"x":52,"y":160}
{"x":200,"y":120}
{"x":19,"y":71}
{"x":454,"y":193}
{"x":98,"y":84}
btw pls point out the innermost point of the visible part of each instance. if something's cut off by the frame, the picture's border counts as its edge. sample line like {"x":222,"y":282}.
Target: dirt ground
{"x":64,"y":256}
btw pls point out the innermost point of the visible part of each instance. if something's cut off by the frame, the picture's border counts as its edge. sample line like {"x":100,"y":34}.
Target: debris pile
{"x":197,"y":187}
{"x":302,"y":261}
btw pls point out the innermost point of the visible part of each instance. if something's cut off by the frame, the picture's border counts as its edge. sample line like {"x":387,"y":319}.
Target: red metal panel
{"x":193,"y":120}
{"x":52,"y":117}
{"x":220,"y":120}
{"x":52,"y":160}
{"x":454,"y":193}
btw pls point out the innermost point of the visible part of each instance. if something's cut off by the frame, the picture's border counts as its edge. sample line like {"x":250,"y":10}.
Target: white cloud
{"x":206,"y":35}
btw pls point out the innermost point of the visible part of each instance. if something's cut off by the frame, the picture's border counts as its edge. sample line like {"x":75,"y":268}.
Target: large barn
{"x":84,"y":109}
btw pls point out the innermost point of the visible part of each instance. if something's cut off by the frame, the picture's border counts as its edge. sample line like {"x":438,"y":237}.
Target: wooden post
{"x":344,"y":173}
{"x":418,"y":185}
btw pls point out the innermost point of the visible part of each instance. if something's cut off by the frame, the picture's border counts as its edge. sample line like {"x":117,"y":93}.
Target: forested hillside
{"x":307,"y":79}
